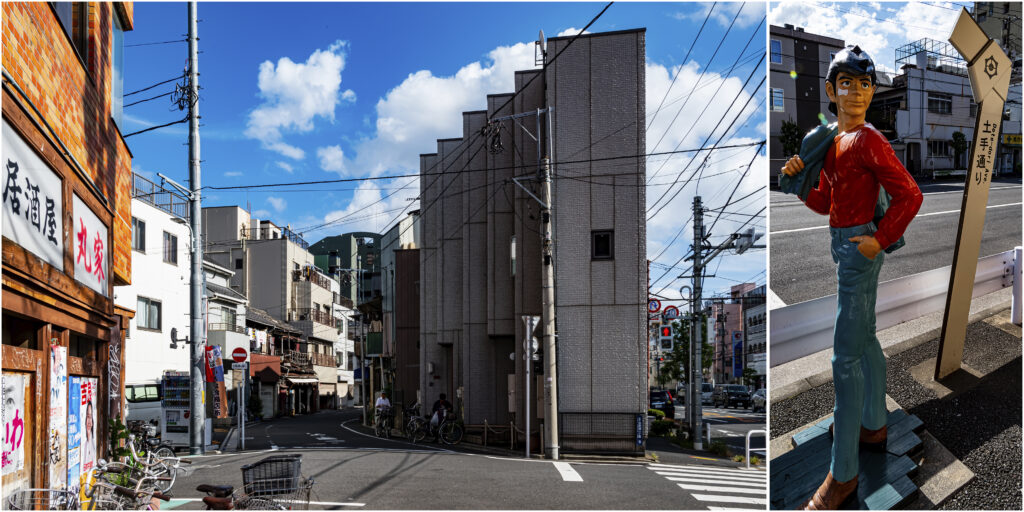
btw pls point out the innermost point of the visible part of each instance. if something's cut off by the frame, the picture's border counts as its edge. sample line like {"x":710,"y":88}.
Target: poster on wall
{"x":87,"y":424}
{"x":74,"y":432}
{"x":33,"y":202}
{"x":13,"y":419}
{"x":215,"y":379}
{"x":58,"y":424}
{"x":90,"y":242}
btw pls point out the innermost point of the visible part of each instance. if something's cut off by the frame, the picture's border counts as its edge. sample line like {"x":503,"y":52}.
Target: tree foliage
{"x":790,"y":137}
{"x":959,"y":147}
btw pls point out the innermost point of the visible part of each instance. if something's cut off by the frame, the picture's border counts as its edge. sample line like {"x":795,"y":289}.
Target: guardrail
{"x":799,"y":330}
{"x":765,"y":432}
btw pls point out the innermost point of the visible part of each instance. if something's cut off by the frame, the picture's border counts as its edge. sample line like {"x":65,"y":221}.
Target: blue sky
{"x":315,"y":91}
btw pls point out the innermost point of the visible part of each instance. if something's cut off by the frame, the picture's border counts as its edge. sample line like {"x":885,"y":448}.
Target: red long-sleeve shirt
{"x":858,"y":161}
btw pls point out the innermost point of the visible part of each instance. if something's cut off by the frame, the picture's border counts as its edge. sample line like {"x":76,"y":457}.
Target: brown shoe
{"x":832,"y":495}
{"x":872,"y":440}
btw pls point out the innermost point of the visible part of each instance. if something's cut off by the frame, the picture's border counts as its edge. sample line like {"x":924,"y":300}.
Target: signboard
{"x":33,"y":203}
{"x":737,"y":353}
{"x":653,"y":305}
{"x":88,"y":424}
{"x":989,"y":70}
{"x":74,"y":432}
{"x":671,"y":313}
{"x":13,"y":419}
{"x":639,"y":429}
{"x":239,"y":355}
{"x":238,"y":366}
{"x":215,"y":378}
{"x":1012,"y":139}
{"x":90,"y":242}
{"x":57,"y":436}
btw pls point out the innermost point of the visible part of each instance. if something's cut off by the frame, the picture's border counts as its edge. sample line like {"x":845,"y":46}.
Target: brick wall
{"x":72,"y":93}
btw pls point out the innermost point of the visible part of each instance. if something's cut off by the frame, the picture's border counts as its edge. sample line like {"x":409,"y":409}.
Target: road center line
{"x":568,"y":473}
{"x":784,"y":231}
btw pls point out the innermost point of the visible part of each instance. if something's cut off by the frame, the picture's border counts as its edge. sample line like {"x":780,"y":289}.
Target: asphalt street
{"x":354,"y":470}
{"x":802,"y":267}
{"x":731,"y":426}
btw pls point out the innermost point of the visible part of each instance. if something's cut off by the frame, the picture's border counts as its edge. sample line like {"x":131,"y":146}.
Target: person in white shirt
{"x":383,"y":402}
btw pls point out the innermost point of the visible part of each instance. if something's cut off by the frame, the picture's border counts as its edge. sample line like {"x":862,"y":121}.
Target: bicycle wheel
{"x":450,"y":433}
{"x":417,"y":430}
{"x":165,"y":468}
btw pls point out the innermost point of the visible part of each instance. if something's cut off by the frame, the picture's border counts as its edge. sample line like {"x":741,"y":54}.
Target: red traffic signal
{"x":666,"y":332}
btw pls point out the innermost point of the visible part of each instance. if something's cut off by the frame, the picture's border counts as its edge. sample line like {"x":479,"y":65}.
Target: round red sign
{"x":239,"y":355}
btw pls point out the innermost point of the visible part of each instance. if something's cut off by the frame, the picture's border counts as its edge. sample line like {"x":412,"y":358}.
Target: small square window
{"x":170,"y":248}
{"x":602,"y":245}
{"x":138,"y":235}
{"x":238,"y":263}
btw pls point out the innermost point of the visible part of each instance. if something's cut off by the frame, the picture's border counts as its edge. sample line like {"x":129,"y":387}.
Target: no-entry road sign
{"x":239,"y":355}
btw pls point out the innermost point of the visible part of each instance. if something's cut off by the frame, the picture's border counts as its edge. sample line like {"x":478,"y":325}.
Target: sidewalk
{"x":976,"y":416}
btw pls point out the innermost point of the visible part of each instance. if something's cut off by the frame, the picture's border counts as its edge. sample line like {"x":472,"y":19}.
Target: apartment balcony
{"x":324,"y":360}
{"x":311,"y":275}
{"x":315,"y":315}
{"x":298,"y":361}
{"x":226,"y":327}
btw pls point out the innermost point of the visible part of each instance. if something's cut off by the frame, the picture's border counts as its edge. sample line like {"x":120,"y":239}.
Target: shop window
{"x":138,"y":234}
{"x":602,"y":245}
{"x":20,"y":332}
{"x":148,"y":314}
{"x":170,"y":248}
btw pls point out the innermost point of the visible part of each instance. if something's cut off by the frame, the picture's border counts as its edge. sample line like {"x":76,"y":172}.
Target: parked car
{"x":706,"y":389}
{"x":730,"y":395}
{"x":143,"y":402}
{"x":758,"y":400}
{"x":662,"y":400}
{"x":681,"y":394}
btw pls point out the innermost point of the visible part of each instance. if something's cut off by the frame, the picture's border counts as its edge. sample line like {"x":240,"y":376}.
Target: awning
{"x":303,"y":381}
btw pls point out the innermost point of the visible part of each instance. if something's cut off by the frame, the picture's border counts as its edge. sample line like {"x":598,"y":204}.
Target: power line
{"x":150,"y":99}
{"x":183,"y":120}
{"x":680,"y":70}
{"x":179,"y":77}
{"x":156,"y":43}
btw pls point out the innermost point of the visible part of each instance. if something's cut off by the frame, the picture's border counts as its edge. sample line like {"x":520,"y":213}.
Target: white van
{"x":143,"y":402}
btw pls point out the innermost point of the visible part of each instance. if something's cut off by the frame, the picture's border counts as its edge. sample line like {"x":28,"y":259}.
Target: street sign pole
{"x":989,"y":70}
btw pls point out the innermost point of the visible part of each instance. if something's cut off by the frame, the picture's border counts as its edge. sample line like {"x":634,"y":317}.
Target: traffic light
{"x":667,"y":337}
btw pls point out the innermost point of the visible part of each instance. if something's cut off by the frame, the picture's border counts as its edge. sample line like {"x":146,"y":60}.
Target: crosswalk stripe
{"x":722,"y":474}
{"x":705,"y":471}
{"x":708,"y":468}
{"x":716,"y":481}
{"x":730,"y":508}
{"x":708,"y":488}
{"x":731,"y":499}
{"x":729,"y":478}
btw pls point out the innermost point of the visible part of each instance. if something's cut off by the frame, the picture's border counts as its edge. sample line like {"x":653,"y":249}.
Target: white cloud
{"x":294,"y":94}
{"x":571,"y":31}
{"x":232,"y":174}
{"x":424,"y":108}
{"x":332,"y":159}
{"x":286,"y":167}
{"x":878,"y":31}
{"x":145,"y":174}
{"x":368,"y":210}
{"x":349,"y":95}
{"x":750,"y":14}
{"x":261,"y":214}
{"x":277,"y":203}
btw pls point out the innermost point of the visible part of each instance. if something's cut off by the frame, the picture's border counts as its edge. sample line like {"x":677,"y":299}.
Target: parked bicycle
{"x":273,"y":483}
{"x":448,"y":430}
{"x":157,"y":461}
{"x":42,"y":499}
{"x":123,"y":486}
{"x":416,"y":426}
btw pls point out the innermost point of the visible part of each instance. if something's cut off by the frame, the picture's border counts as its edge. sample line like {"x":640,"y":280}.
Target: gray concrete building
{"x":360,"y":252}
{"x":481,"y":258}
{"x":1002,"y":22}
{"x":798,"y":63}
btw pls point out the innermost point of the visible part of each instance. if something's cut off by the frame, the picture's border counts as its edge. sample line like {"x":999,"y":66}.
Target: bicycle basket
{"x":275,"y":494}
{"x":42,"y":499}
{"x":273,"y":475}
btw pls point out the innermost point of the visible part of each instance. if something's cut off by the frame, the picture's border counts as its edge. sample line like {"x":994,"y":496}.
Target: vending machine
{"x":174,"y":427}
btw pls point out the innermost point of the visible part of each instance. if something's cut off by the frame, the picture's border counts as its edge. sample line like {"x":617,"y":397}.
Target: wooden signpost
{"x":989,"y":70}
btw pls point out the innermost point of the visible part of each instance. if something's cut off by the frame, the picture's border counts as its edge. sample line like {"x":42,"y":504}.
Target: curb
{"x":229,"y":444}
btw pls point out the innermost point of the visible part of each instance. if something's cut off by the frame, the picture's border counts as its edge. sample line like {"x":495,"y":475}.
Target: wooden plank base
{"x":884,"y":480}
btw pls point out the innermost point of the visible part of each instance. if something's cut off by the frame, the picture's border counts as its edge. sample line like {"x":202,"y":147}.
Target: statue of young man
{"x":859,"y":160}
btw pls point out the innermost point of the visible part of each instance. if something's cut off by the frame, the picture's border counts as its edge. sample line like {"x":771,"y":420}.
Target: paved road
{"x":356,"y":471}
{"x":731,"y":426}
{"x":802,"y":268}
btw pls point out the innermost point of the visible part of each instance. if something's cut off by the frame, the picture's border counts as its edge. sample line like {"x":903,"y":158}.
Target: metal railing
{"x":312,"y":275}
{"x":315,"y":315}
{"x":324,"y":360}
{"x":602,"y":432}
{"x":159,"y":197}
{"x":763,"y":432}
{"x":226,"y":327}
{"x":267,"y":234}
{"x":800,"y":330}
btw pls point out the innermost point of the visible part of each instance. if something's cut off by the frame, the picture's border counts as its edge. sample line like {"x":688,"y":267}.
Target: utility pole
{"x":548,"y":311}
{"x":197,"y":417}
{"x":696,"y":407}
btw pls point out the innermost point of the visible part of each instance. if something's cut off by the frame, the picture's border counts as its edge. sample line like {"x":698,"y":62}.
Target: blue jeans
{"x":858,"y":364}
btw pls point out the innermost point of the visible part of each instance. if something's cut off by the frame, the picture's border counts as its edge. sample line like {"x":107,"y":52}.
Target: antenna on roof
{"x":540,"y":49}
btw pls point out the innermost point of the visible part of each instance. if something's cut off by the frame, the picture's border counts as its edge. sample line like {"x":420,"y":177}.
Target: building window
{"x":147,"y":314}
{"x":602,"y":245}
{"x":777,"y":100}
{"x":940,"y":103}
{"x":73,"y":17}
{"x":117,"y":71}
{"x":974,"y":108}
{"x":228,"y":317}
{"x":776,"y":54}
{"x":940,"y":148}
{"x":170,"y":248}
{"x":138,"y":235}
{"x":238,"y":263}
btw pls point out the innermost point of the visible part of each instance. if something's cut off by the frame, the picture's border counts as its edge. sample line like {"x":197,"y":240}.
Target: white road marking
{"x":713,"y":469}
{"x":731,"y":499}
{"x":731,"y":508}
{"x":393,"y":440}
{"x":696,"y":474}
{"x":784,"y":231}
{"x":708,"y":488}
{"x":711,"y":481}
{"x":961,"y":191}
{"x":568,"y":473}
{"x":774,"y":302}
